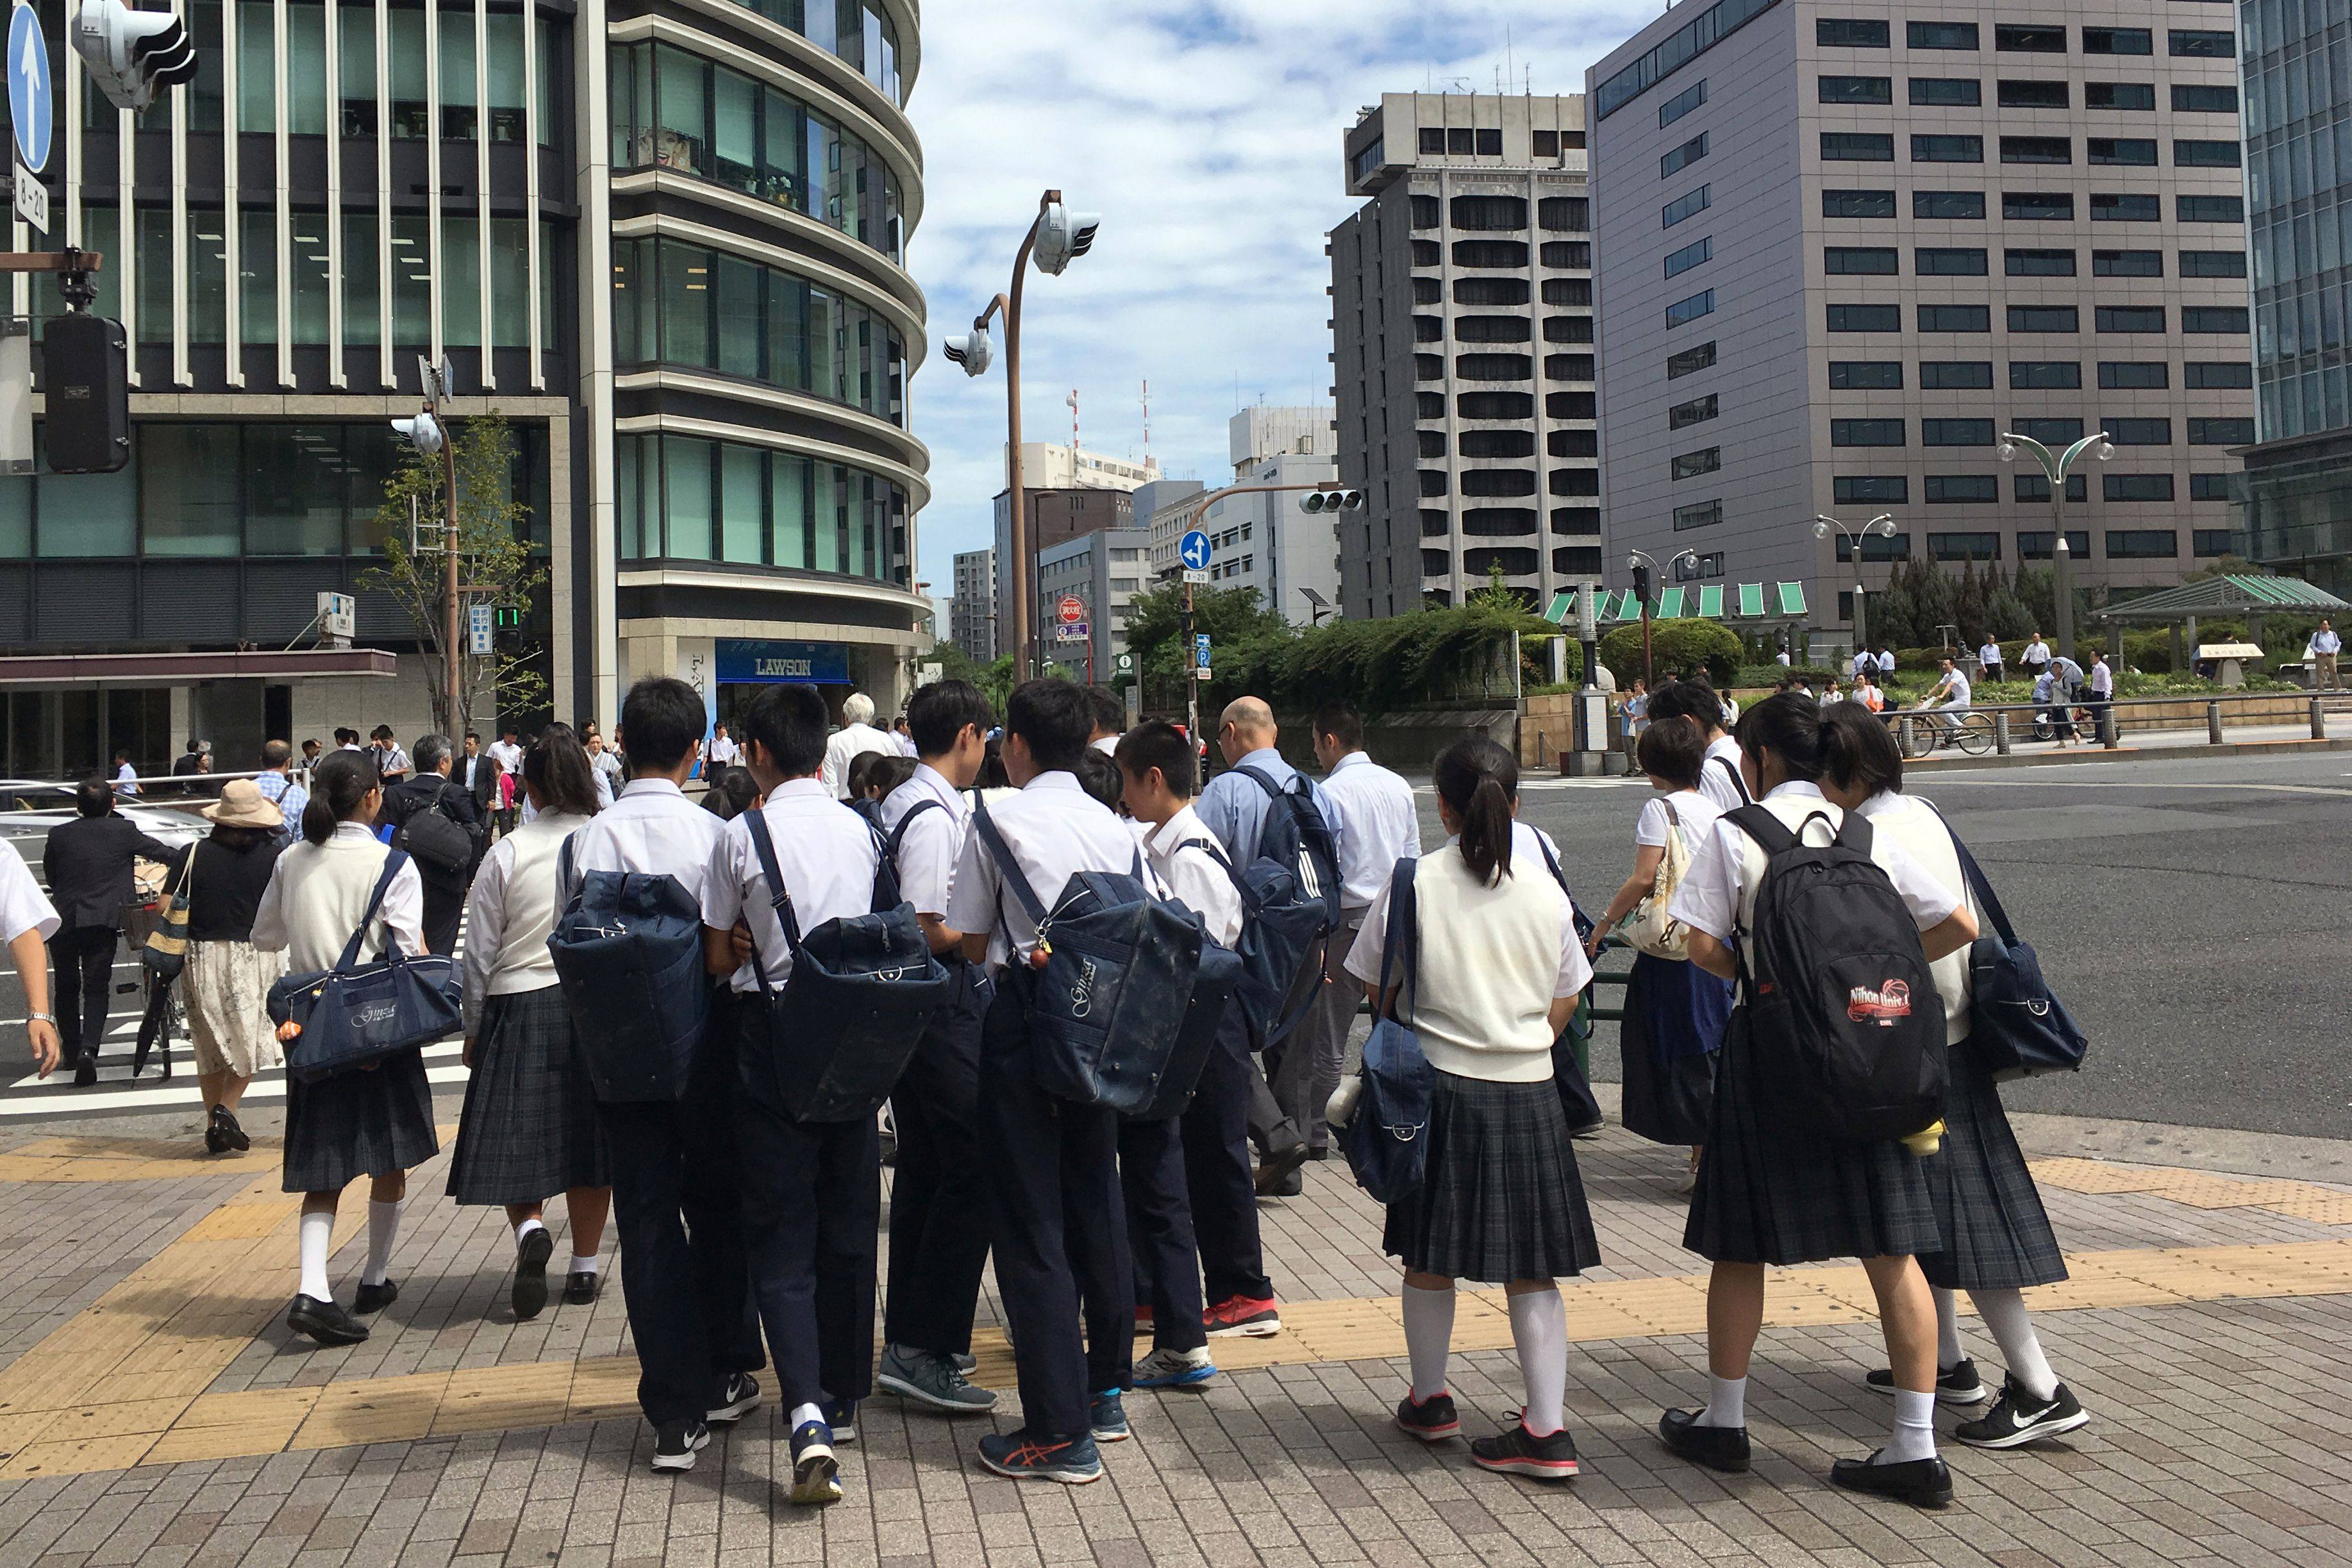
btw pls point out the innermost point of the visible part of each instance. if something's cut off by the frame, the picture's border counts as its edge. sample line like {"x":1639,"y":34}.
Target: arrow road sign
{"x":30,"y":114}
{"x":1194,"y":549}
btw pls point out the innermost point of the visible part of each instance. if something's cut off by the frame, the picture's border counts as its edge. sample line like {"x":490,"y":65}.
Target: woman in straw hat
{"x":228,"y":978}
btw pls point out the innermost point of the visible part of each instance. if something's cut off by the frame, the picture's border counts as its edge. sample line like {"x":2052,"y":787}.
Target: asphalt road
{"x":2196,"y":916}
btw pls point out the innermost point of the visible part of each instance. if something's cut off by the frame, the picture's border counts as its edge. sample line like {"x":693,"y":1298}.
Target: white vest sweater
{"x":322,"y":891}
{"x":1489,"y":958}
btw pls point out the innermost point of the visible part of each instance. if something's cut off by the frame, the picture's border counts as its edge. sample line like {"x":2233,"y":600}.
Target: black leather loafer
{"x":1721,"y":1448}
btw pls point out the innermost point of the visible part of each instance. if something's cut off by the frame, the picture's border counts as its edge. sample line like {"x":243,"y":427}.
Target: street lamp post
{"x":2062,"y":555}
{"x":1644,"y":566}
{"x":1881,"y":525}
{"x":1057,"y":236}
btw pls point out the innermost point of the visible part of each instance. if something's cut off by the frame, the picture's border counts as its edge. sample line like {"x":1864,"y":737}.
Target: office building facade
{"x":1843,"y":246}
{"x":1102,"y":570}
{"x":1067,"y":492}
{"x":666,"y":245}
{"x":1462,"y":351}
{"x":972,"y":613}
{"x":2296,"y":70}
{"x":1263,"y":542}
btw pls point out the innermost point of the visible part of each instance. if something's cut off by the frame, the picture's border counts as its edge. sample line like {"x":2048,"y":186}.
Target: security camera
{"x":1063,"y":235}
{"x":973,"y":351}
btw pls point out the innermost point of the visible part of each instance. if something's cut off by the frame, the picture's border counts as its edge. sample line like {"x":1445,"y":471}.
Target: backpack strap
{"x":779,"y":899}
{"x":1854,"y":833}
{"x":1977,"y":883}
{"x":1263,"y":780}
{"x":899,"y":834}
{"x":1772,"y":834}
{"x":1738,"y":782}
{"x":392,"y":862}
{"x":1251,"y":903}
{"x":1008,"y":869}
{"x":1584,"y":921}
{"x":1404,"y":935}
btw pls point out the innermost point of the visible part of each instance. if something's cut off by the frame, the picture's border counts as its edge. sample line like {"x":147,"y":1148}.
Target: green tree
{"x":994,"y":680}
{"x":1682,"y":644}
{"x":494,"y":564}
{"x":1232,"y":618}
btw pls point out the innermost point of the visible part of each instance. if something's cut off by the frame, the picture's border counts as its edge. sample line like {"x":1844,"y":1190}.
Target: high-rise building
{"x":1067,"y":492}
{"x":668,"y":247}
{"x":1463,"y":370}
{"x":1263,"y":542}
{"x":972,"y":613}
{"x":1102,"y":570}
{"x":2298,"y":481}
{"x":1844,"y":245}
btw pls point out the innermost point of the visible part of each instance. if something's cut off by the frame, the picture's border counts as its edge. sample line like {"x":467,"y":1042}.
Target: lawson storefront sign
{"x":743,"y":660}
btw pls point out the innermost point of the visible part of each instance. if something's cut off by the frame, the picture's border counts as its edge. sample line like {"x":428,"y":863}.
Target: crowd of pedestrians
{"x":1099,"y":1120}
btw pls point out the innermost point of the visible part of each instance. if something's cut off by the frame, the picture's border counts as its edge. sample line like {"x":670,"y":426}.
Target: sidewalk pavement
{"x":153,"y":1410}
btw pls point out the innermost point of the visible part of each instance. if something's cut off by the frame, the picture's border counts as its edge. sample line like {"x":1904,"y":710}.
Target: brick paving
{"x":2222,"y":1428}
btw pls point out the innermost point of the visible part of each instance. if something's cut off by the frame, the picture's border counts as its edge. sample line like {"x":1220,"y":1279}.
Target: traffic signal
{"x":1063,"y":235}
{"x":422,"y":431}
{"x":1331,"y":500}
{"x":85,"y":371}
{"x":133,"y":55}
{"x":1640,"y":582}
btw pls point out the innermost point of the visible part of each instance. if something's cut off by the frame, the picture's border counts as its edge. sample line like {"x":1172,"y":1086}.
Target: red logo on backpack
{"x":1883,"y":1006}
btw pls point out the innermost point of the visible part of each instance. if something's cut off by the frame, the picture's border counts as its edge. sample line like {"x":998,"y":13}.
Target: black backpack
{"x":436,"y":839}
{"x":1841,"y":1011}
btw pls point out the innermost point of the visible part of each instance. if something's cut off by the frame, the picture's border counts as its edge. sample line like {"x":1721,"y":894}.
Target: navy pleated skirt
{"x":1996,"y":1234}
{"x":1501,"y":1199}
{"x":1675,"y":1017}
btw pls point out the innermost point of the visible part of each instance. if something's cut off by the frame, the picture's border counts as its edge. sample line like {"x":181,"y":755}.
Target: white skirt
{"x":226,"y":991}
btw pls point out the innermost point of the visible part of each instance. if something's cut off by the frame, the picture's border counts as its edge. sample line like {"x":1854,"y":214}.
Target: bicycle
{"x":1929,"y":730}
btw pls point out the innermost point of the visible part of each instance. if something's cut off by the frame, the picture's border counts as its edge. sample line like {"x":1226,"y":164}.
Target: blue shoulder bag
{"x":2018,"y":1029}
{"x":357,"y":1015}
{"x":628,"y":948}
{"x":1386,"y":1139}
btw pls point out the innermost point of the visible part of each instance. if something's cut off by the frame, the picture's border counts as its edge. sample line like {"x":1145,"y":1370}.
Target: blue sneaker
{"x":816,"y":1474}
{"x":1175,"y":1369}
{"x":1073,"y":1462}
{"x":840,"y":1414}
{"x":1109,"y":1418}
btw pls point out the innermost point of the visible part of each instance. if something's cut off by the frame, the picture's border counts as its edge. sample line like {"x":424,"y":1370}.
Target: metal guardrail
{"x":1995,"y":727}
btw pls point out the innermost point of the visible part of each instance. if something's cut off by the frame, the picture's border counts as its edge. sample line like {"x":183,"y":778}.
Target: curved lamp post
{"x":1883,"y":526}
{"x":2062,"y":556}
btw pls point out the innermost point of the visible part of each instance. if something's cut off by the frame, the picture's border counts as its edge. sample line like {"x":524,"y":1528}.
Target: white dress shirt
{"x":2328,"y":641}
{"x":1719,"y":778}
{"x":2036,"y":652}
{"x":723,"y":751}
{"x":1719,"y":892}
{"x":2102,"y":679}
{"x":1108,"y":746}
{"x":510,"y":756}
{"x":22,"y":905}
{"x":1185,"y":856}
{"x":317,"y":892}
{"x":825,"y":853}
{"x":126,"y":780}
{"x":1990,"y":656}
{"x":511,"y":913}
{"x":652,"y":829}
{"x":846,"y":746}
{"x":1370,"y":809}
{"x":934,"y":843}
{"x":1055,"y":831}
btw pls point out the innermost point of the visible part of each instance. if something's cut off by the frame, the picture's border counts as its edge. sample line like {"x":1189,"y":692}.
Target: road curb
{"x":2138,"y":753}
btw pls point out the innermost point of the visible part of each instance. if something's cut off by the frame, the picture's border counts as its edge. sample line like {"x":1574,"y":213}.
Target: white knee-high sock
{"x":1540,"y":1329}
{"x":2020,"y":1348}
{"x":1949,"y":1351}
{"x":318,"y":1228}
{"x":1727,"y":1403}
{"x":383,"y":1226}
{"x":1428,"y":1336}
{"x":1914,"y":1429}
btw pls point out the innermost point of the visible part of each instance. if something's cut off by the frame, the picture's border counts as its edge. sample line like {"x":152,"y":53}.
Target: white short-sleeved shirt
{"x":1719,"y":778}
{"x":825,"y":853}
{"x":1719,"y":893}
{"x":724,"y":751}
{"x":1693,"y":811}
{"x":934,"y":843}
{"x":1185,"y":855}
{"x":1957,"y":697}
{"x":654,"y":830}
{"x":1990,"y":654}
{"x":1371,"y":811}
{"x":1055,"y":831}
{"x":22,"y":905}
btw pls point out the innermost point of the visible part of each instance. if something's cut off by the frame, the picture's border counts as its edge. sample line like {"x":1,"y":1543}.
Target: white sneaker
{"x":1175,"y":1369}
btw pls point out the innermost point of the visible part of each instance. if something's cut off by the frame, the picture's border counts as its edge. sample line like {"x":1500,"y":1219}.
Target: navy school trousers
{"x":812,"y":1213}
{"x":1218,"y":1175}
{"x":1060,"y":1231}
{"x":940,"y":1220}
{"x":676,"y":1200}
{"x":1159,"y":1231}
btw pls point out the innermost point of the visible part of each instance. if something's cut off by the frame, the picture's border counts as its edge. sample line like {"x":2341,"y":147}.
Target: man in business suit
{"x":431,"y":790}
{"x":89,"y":864}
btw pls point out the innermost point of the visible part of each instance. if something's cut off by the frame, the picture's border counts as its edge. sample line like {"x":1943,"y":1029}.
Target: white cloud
{"x":1208,"y":135}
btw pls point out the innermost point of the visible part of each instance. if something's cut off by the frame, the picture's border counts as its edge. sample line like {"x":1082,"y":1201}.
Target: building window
{"x":1964,"y":546}
{"x":2125,"y":95}
{"x":2109,"y":206}
{"x":1690,"y":465}
{"x":2135,"y":375}
{"x":2034,"y":95}
{"x":2020,"y":38}
{"x":1701,"y":515}
{"x":1955,"y":375}
{"x":2135,"y":488}
{"x":2117,"y":41}
{"x":1953,"y":204}
{"x":2194,"y":43}
{"x":2139,"y":432}
{"x":2129,"y":150}
{"x":2192,"y":98}
{"x":1946,"y":92}
{"x":2035,"y":487}
{"x":1689,"y":569}
{"x":2217,"y":374}
{"x":1865,"y":317}
{"x":1564,"y":215}
{"x":1491,"y":214}
{"x":1857,"y":489}
{"x":2039,"y":263}
{"x":1511,"y":254}
{"x":1850,"y":33}
{"x":2038,"y":545}
{"x":1878,"y":546}
{"x":2044,"y":374}
{"x":1956,"y":433}
{"x":1698,"y":356}
{"x":2038,"y":206}
{"x":1856,"y":90}
{"x":2221,"y":432}
{"x":1865,"y":374}
{"x":2204,"y":154}
{"x":2127,"y":264}
{"x":1433,"y":140}
{"x":1954,"y":318}
{"x":2037,"y":150}
{"x":2130,"y":317}
{"x":2211,"y":541}
{"x":2208,"y":487}
{"x":1692,"y":255}
{"x":1853,"y":260}
{"x":1866,"y":433}
{"x":2213,"y":264}
{"x":1683,"y":157}
{"x":1505,"y":291}
{"x":2209,"y":319}
{"x":1697,"y":410}
{"x":1857,"y":147}
{"x":2207,"y":209}
{"x":1682,"y":103}
{"x":2144,"y":543}
{"x":2042,"y":319}
{"x":1857,"y":203}
{"x":1459,"y":142}
{"x":1684,"y":206}
{"x":1563,"y":291}
{"x":1938,"y":149}
{"x":2050,"y":432}
{"x":1567,"y":253}
{"x":1948,"y":261}
{"x":1940,"y":34}
{"x":1685,"y":310}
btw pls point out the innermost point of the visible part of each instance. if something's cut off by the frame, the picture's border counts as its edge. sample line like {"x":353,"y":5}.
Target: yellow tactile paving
{"x":2200,"y":1189}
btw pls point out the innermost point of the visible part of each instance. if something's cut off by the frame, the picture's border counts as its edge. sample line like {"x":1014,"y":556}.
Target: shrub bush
{"x":1685,"y":644}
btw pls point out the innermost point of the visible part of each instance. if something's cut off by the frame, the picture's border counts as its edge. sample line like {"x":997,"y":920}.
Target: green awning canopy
{"x":1670,"y":603}
{"x":2235,"y":593}
{"x":1710,"y":602}
{"x":1785,"y":601}
{"x":1792,"y":599}
{"x":1751,"y":601}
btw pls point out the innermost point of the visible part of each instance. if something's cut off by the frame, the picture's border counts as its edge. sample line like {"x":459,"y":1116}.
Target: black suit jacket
{"x":481,"y":786}
{"x":88,"y":863}
{"x":411,"y":795}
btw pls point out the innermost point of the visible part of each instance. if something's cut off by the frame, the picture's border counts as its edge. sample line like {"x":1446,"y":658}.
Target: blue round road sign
{"x":29,"y":112}
{"x":1195,"y":549}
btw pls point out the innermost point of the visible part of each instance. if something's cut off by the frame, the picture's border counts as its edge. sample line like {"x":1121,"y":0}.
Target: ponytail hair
{"x":1788,"y":722}
{"x":339,"y":785}
{"x":1480,"y":780}
{"x":1857,"y":751}
{"x":557,"y":766}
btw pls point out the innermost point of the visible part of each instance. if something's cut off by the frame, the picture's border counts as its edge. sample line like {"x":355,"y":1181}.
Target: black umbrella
{"x":155,"y":1027}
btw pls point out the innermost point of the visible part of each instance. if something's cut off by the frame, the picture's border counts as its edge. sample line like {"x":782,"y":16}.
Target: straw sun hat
{"x":242,"y":804}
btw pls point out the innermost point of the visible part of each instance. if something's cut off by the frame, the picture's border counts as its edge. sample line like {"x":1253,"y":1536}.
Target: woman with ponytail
{"x":1497,"y":973}
{"x":1997,"y":1237}
{"x":375,"y":1123}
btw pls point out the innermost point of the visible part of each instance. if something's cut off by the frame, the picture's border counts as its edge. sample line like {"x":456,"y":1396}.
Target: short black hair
{"x":93,"y":796}
{"x":1342,"y":724}
{"x":938,"y":714}
{"x":661,"y":719}
{"x":789,"y":722}
{"x":1688,"y":699}
{"x":382,"y":733}
{"x":1858,"y":750}
{"x":1673,"y":750}
{"x":886,"y":774}
{"x":1110,"y":713}
{"x":1159,"y":744}
{"x":1098,"y":776}
{"x":1055,"y":719}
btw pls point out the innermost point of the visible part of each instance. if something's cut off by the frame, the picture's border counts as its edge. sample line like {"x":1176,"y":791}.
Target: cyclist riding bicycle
{"x":1949,"y":697}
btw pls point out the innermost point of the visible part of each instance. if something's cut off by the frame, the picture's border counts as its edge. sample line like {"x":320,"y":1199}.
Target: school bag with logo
{"x":1840,"y":1007}
{"x":1290,"y":904}
{"x":1107,"y":1004}
{"x":2017,"y":1028}
{"x":357,"y":1015}
{"x":1386,"y":1135}
{"x":628,"y":947}
{"x":862,"y":990}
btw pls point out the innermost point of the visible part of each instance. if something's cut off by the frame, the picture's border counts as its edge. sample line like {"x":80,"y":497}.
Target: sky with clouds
{"x":1208,"y":135}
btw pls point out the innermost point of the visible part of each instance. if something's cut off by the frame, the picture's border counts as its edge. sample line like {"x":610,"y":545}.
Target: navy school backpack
{"x":1291,"y":902}
{"x":1204,"y":1014}
{"x":1568,"y":1069}
{"x":1109,"y":1004}
{"x":862,"y":990}
{"x":1386,"y":1136}
{"x":628,"y":948}
{"x":1840,"y":1007}
{"x":359,"y":1015}
{"x":2017,"y":1028}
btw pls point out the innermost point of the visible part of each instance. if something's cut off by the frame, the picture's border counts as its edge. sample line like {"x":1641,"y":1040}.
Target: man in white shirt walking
{"x":2325,"y":645}
{"x":2035,"y":658}
{"x":1989,"y":659}
{"x":856,"y":737}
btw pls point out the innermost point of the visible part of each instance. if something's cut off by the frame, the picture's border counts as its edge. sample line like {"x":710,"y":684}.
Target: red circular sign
{"x":1071,"y":609}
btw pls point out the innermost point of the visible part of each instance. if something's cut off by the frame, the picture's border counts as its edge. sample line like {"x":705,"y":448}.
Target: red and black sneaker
{"x":1519,"y":1452}
{"x":1432,"y":1420}
{"x":1242,"y":1315}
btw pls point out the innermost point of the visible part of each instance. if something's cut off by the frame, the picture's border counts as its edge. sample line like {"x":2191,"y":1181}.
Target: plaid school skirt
{"x":1501,"y":1199}
{"x":529,"y":1128}
{"x":1996,"y":1234}
{"x":374,"y":1122}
